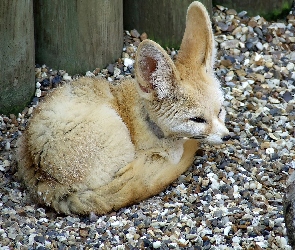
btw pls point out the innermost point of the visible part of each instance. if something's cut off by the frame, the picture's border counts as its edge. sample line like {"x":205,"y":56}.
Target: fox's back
{"x":77,"y":136}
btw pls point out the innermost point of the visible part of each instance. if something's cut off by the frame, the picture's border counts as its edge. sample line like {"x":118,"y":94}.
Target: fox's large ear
{"x":155,"y":72}
{"x":197,"y":47}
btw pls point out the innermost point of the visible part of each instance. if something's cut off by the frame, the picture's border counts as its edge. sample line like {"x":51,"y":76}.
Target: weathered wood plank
{"x":16,"y":55}
{"x":78,"y":35}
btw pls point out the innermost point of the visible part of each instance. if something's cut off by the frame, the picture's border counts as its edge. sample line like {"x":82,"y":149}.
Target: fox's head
{"x":184,"y":99}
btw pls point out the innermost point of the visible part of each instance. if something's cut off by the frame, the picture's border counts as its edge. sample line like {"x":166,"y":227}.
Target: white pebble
{"x":246,"y":62}
{"x":7,"y":146}
{"x":252,"y":185}
{"x":250,"y":229}
{"x":116,"y":224}
{"x":269,"y":151}
{"x":157,"y":244}
{"x":31,"y":239}
{"x":182,"y":241}
{"x":66,"y":77}
{"x":261,"y":244}
{"x":278,"y":25}
{"x":226,"y":230}
{"x":129,"y":236}
{"x":117,"y":72}
{"x":43,"y":220}
{"x":6,"y":163}
{"x":230,"y":44}
{"x":172,"y":245}
{"x":38,"y":85}
{"x":121,"y":247}
{"x":38,"y":92}
{"x":89,"y":74}
{"x":278,"y":221}
{"x":244,"y":84}
{"x":257,"y":57}
{"x":236,"y":239}
{"x":119,"y":77}
{"x":281,"y":241}
{"x":190,"y":223}
{"x":218,"y":196}
{"x":259,"y":46}
{"x":228,"y":78}
{"x":245,"y":29}
{"x":214,"y":184}
{"x":128,"y":62}
{"x":290,"y":66}
{"x":236,"y":193}
{"x":271,"y":223}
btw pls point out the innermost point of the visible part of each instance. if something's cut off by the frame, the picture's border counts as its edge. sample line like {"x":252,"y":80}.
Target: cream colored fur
{"x":95,"y":147}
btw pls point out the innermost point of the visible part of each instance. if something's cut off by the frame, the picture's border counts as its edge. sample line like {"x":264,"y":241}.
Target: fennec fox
{"x":95,"y":147}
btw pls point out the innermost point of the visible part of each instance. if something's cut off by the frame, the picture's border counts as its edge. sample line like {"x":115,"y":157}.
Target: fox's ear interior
{"x":197,"y":47}
{"x":155,"y":71}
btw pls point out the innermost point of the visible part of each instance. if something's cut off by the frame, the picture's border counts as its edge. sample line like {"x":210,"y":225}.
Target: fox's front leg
{"x":146,"y":176}
{"x":161,"y":172}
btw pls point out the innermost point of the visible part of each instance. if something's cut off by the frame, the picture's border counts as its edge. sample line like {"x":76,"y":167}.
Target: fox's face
{"x":191,"y":112}
{"x":184,"y":99}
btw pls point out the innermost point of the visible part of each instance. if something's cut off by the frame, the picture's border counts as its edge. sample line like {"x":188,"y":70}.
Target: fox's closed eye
{"x":198,"y":119}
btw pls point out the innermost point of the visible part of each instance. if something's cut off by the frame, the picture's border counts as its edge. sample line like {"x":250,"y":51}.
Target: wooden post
{"x":269,"y":9}
{"x":78,"y":35}
{"x":163,"y":21}
{"x":17,"y":65}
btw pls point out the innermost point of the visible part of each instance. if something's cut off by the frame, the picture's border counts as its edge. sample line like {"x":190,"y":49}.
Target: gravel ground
{"x":231,"y":198}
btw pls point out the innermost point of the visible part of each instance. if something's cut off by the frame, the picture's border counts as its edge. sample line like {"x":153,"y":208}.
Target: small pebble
{"x":66,"y":77}
{"x":7,"y":145}
{"x":128,"y":62}
{"x":157,"y":244}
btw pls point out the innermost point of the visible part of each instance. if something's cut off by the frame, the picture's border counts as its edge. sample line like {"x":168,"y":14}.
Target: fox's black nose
{"x":226,"y":138}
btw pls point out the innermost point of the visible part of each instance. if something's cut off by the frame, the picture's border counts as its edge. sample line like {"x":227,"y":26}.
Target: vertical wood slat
{"x":78,"y":35}
{"x":17,"y":53}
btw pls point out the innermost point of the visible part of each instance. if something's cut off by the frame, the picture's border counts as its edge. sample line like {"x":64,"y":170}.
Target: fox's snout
{"x":219,"y":133}
{"x":225,"y":136}
{"x":217,"y":139}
